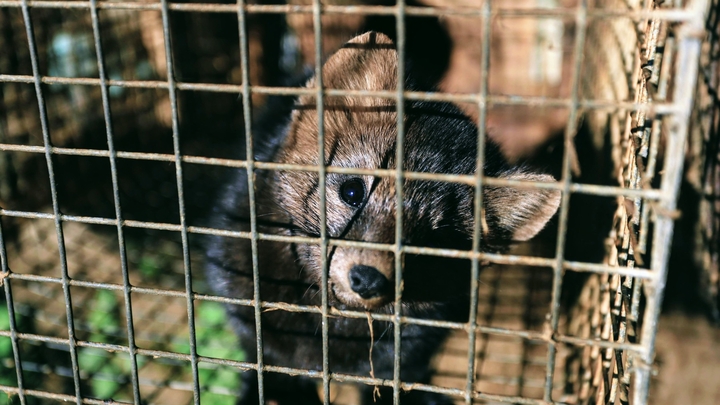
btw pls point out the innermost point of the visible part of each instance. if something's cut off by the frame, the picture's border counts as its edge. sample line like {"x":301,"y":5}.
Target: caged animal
{"x":360,"y":132}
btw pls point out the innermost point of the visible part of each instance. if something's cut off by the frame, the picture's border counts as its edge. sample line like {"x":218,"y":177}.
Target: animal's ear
{"x":366,"y":62}
{"x":518,"y":214}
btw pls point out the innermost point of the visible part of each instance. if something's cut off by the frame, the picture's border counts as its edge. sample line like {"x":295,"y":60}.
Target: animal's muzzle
{"x":368,"y":282}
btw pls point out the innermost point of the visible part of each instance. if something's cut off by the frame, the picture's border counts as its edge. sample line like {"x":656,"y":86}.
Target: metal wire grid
{"x":676,"y":114}
{"x":159,"y":321}
{"x":612,"y":302}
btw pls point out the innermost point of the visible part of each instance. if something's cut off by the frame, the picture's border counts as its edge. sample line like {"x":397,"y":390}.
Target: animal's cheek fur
{"x":344,"y":259}
{"x":308,"y":256}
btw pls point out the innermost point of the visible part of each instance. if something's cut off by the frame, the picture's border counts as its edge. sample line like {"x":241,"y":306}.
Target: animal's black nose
{"x":368,"y":282}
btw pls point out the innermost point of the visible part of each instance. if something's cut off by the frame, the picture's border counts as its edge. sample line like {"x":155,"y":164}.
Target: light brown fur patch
{"x":360,"y":132}
{"x":368,"y":62}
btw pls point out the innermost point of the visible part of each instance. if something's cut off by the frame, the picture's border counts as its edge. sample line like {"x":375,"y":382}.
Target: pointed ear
{"x":518,"y":214}
{"x":366,"y":62}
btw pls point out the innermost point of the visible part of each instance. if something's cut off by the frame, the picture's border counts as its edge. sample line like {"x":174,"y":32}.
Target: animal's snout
{"x":368,"y":282}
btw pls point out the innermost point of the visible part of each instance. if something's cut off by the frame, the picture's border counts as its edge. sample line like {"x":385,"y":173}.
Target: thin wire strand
{"x":570,"y":130}
{"x":317,"y":8}
{"x":181,"y":200}
{"x":134,"y":377}
{"x":250,"y":171}
{"x":537,"y":337}
{"x":689,"y":39}
{"x":5,"y":282}
{"x":315,"y":374}
{"x":399,"y":196}
{"x":581,"y":188}
{"x":658,"y":108}
{"x":55,"y":204}
{"x":490,"y":257}
{"x":478,"y":212}
{"x":675,"y":14}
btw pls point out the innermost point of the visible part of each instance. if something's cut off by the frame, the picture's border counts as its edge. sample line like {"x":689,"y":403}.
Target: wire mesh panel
{"x":121,"y":128}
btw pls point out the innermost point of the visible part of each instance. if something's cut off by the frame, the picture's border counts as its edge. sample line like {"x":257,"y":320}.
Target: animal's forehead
{"x":355,"y":134}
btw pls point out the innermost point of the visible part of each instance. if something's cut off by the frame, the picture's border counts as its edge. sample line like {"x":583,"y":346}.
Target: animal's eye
{"x":352,"y":192}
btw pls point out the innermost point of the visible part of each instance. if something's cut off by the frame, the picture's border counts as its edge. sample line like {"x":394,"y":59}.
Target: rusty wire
{"x":664,"y":14}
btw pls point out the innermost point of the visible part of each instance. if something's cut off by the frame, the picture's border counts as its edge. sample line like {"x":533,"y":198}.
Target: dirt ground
{"x":688,"y":362}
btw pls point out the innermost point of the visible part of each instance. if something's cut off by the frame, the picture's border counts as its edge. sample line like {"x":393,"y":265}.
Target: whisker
{"x":269,"y":224}
{"x":387,"y":328}
{"x":308,"y":289}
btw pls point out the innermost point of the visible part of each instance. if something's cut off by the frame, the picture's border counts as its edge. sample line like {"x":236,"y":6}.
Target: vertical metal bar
{"x":478,"y":209}
{"x":635,"y":308}
{"x":580,"y":31}
{"x":132,"y":349}
{"x":656,"y":134}
{"x":399,"y":199}
{"x":181,"y":199}
{"x":650,"y":63}
{"x":4,"y":274}
{"x":250,"y":171}
{"x":322,"y":214}
{"x":55,"y":204}
{"x":619,"y":381}
{"x":689,"y":38}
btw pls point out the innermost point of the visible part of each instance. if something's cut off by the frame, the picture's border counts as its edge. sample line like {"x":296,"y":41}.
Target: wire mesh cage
{"x":121,"y":120}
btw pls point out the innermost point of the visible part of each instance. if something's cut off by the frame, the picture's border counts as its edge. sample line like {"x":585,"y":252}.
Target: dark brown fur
{"x":361,"y":133}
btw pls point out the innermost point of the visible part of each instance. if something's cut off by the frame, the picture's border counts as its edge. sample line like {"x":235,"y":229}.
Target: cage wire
{"x":100,"y":265}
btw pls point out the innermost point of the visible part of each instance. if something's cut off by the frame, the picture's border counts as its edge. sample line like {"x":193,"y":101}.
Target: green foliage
{"x":5,"y":343}
{"x":96,"y":363}
{"x":32,"y":353}
{"x":104,"y":317}
{"x":149,"y":267}
{"x":211,"y":398}
{"x":104,"y":322}
{"x":101,"y":366}
{"x":106,"y":374}
{"x":215,"y":339}
{"x":152,"y":261}
{"x":7,"y":372}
